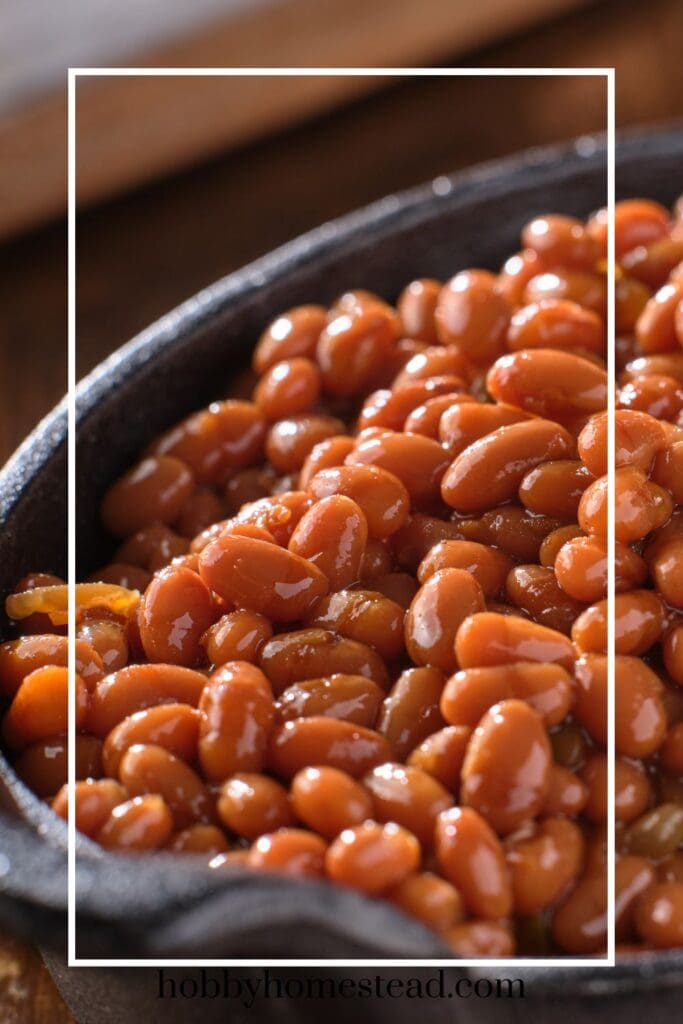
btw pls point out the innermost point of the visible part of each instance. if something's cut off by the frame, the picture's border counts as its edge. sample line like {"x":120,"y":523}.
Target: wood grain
{"x":27,"y":992}
{"x":180,"y":121}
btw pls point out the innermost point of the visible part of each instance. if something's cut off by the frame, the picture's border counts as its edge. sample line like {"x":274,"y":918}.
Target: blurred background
{"x":181,"y":181}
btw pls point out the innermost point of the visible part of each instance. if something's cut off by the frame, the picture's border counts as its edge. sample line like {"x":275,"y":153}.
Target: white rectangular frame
{"x":73,"y":75}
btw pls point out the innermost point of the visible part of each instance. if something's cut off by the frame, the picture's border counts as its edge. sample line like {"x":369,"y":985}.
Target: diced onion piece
{"x":53,"y":601}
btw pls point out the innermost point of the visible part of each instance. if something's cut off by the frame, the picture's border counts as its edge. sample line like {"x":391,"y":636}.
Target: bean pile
{"x":356,"y":626}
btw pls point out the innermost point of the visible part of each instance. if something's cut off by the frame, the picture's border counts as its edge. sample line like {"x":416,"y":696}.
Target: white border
{"x":73,"y":75}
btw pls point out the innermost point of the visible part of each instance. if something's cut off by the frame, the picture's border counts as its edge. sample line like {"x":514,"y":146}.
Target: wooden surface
{"x":27,"y":994}
{"x":179,"y":121}
{"x":141,"y":255}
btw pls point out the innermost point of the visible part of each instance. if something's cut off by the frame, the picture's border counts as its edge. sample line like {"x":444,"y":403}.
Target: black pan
{"x":155,"y":906}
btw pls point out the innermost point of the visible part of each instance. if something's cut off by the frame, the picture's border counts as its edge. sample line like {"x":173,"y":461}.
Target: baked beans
{"x":356,"y":627}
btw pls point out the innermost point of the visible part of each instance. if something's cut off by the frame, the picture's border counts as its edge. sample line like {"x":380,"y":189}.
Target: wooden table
{"x":141,"y":255}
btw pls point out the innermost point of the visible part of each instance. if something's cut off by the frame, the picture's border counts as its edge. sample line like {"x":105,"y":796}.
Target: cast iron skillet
{"x":156,"y":906}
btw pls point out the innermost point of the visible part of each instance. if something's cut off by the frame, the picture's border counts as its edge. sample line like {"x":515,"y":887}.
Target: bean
{"x":567,"y":793}
{"x":472,"y":315}
{"x":471,"y":857}
{"x":43,"y":766}
{"x":237,"y":636}
{"x":353,"y":348}
{"x":290,"y":441}
{"x":137,"y":687}
{"x":417,"y":461}
{"x":556,"y":323}
{"x":143,"y":823}
{"x":551,"y":544}
{"x":594,"y":775}
{"x":416,"y":305}
{"x":18,"y":658}
{"x":516,"y":273}
{"x":505,"y":775}
{"x":217,"y":441}
{"x":435,"y":361}
{"x":470,"y":693}
{"x":632,"y":790}
{"x":410,"y":712}
{"x":426,"y":418}
{"x":332,"y":536}
{"x":382,"y":497}
{"x":657,"y":833}
{"x":390,"y":407}
{"x":640,"y":718}
{"x":671,"y":752}
{"x":314,"y":653}
{"x":413,"y":542}
{"x":491,"y":470}
{"x":638,"y":222}
{"x":276,"y":583}
{"x":175,"y":727}
{"x":436,"y":613}
{"x":639,"y":623}
{"x":94,"y":801}
{"x":657,"y":395}
{"x":655,"y":327}
{"x":492,"y":639}
{"x":544,"y":866}
{"x":287,"y":388}
{"x":199,"y":839}
{"x":372,"y":858}
{"x":292,"y":334}
{"x":464,"y":423}
{"x":667,"y":571}
{"x":237,"y":712}
{"x":488,"y":566}
{"x":348,"y":697}
{"x":554,"y":488}
{"x":517,"y":532}
{"x":587,"y":290}
{"x":633,"y":876}
{"x":149,"y":769}
{"x":151,"y":548}
{"x":557,"y":385}
{"x":39,"y":708}
{"x":250,"y":804}
{"x":290,"y":851}
{"x":327,"y":742}
{"x":408,"y":796}
{"x":569,"y":745}
{"x":668,"y":364}
{"x":668,"y":470}
{"x":561,"y":241}
{"x":581,"y":568}
{"x":153,"y":491}
{"x":176,"y":609}
{"x":580,"y":924}
{"x":399,"y":587}
{"x":652,"y":264}
{"x":672,"y":650}
{"x":329,"y":801}
{"x":248,"y":485}
{"x":670,"y":869}
{"x":537,"y":592}
{"x":590,"y":695}
{"x":481,"y":939}
{"x":108,"y":640}
{"x":658,"y":915}
{"x":326,"y":454}
{"x":442,"y":755}
{"x":430,"y":899}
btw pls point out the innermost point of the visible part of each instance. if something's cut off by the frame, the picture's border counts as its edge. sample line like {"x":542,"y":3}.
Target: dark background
{"x":140,"y":255}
